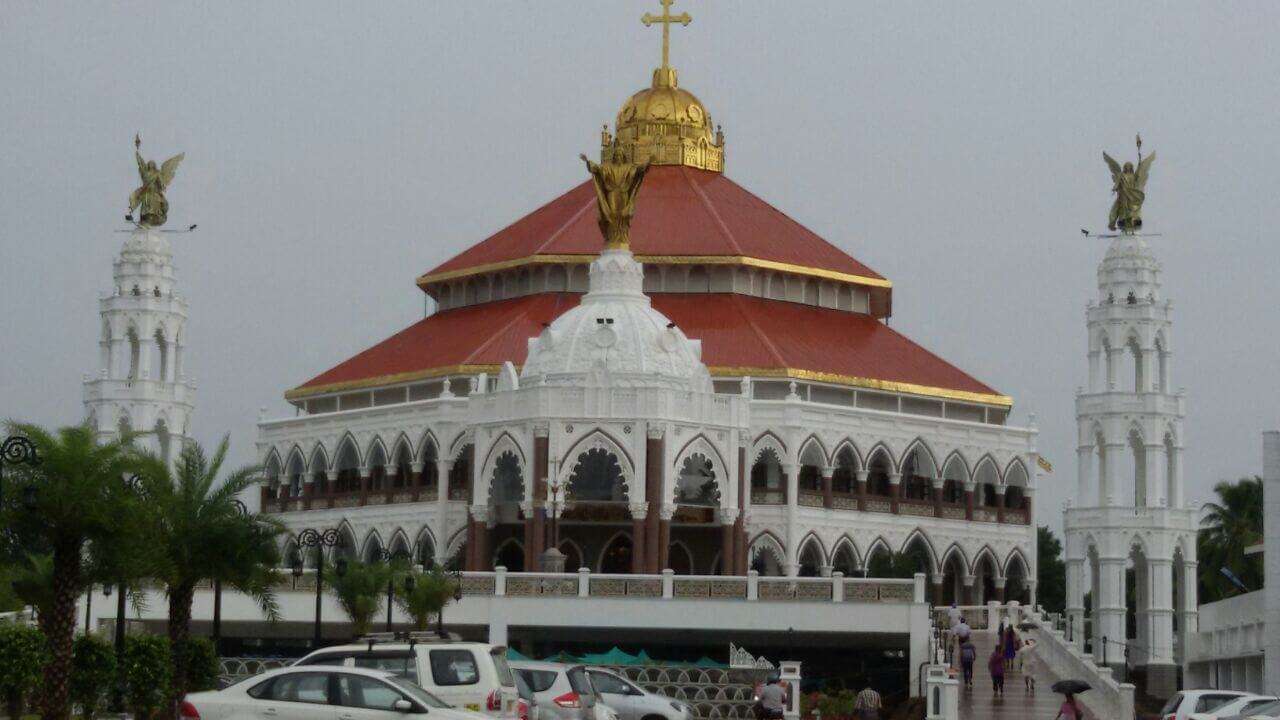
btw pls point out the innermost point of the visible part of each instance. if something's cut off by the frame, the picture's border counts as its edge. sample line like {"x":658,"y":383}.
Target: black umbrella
{"x":1027,"y":625}
{"x":1070,"y":687}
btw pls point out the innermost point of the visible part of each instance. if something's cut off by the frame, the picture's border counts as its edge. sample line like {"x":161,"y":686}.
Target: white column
{"x":1176,"y":497}
{"x":1110,"y":612}
{"x":1084,"y":476}
{"x":1113,"y":483}
{"x":1075,"y":600}
{"x":442,"y":506}
{"x":793,"y":521}
{"x":1095,"y":371}
{"x":1160,"y":611}
{"x":1111,"y":369}
{"x":1154,"y":479}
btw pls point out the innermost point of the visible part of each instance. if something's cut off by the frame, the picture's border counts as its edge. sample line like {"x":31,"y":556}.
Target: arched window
{"x":844,"y":481}
{"x":696,"y":484}
{"x":766,"y":560}
{"x":507,"y":484}
{"x":597,"y":477}
{"x":510,"y":555}
{"x":987,"y":479}
{"x":954,"y":476}
{"x":460,"y":475}
{"x":918,"y":472}
{"x":135,"y":352}
{"x":296,"y":472}
{"x":878,"y":474}
{"x":377,"y":464}
{"x":271,"y":473}
{"x":766,"y":473}
{"x":572,"y":555}
{"x":617,"y":555}
{"x":679,"y":559}
{"x":348,"y":469}
{"x":162,"y":353}
{"x":403,"y":465}
{"x":430,"y":468}
{"x":163,"y":439}
{"x":811,"y":560}
{"x":844,"y":560}
{"x":426,"y":551}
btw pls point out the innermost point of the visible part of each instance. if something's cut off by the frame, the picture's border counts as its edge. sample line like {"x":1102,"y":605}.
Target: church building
{"x":724,"y":395}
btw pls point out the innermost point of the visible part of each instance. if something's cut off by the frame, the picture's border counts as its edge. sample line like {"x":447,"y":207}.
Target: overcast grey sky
{"x":335,"y":151}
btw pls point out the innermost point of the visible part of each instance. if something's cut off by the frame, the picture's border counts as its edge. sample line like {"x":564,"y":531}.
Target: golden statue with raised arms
{"x":150,"y":196}
{"x":1129,"y":185}
{"x":617,"y":182}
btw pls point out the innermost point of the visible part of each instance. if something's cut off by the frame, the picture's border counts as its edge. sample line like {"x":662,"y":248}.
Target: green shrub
{"x":203,"y":666}
{"x":146,"y":675}
{"x":93,"y":673}
{"x":23,"y":654}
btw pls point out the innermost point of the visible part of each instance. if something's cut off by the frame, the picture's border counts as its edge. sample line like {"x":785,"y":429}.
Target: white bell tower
{"x":1129,"y":514}
{"x":141,"y":384}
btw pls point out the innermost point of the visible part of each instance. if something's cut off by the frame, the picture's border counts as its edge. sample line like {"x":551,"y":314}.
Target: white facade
{"x":1129,"y":510}
{"x":141,"y":383}
{"x":704,"y":478}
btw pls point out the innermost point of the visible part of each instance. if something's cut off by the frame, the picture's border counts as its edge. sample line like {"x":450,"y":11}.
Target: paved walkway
{"x":981,"y":703}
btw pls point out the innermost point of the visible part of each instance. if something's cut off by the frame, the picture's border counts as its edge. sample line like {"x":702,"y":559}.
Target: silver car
{"x":563,"y":692}
{"x":633,"y":702}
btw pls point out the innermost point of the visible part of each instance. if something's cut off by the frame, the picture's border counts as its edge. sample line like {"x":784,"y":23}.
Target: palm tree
{"x":1230,"y":526}
{"x":426,"y":595}
{"x":359,"y":589}
{"x":202,"y":532}
{"x":75,"y":496}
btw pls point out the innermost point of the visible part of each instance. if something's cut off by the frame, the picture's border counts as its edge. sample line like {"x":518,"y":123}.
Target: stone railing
{"x":1107,"y":698}
{"x":808,"y":498}
{"x":768,"y":497}
{"x":668,"y":585}
{"x":232,"y":669}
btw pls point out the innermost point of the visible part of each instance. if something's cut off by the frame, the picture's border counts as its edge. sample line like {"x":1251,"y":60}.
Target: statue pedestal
{"x":551,"y":561}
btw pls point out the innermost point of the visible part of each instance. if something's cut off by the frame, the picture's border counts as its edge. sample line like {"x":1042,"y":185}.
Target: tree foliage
{"x":201,"y":532}
{"x":146,"y":675}
{"x":201,"y":663}
{"x":80,"y":501}
{"x":360,"y":590}
{"x":431,"y":590}
{"x":1229,"y":526}
{"x":1051,"y":571}
{"x":93,"y":673}
{"x":23,"y":652}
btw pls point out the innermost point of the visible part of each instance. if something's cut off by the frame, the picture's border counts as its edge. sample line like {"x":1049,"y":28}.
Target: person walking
{"x":960,"y":633}
{"x":1027,"y":664}
{"x":1070,"y":710}
{"x":968,"y":655}
{"x":867,"y":705}
{"x":1011,"y":644}
{"x":995,"y":665}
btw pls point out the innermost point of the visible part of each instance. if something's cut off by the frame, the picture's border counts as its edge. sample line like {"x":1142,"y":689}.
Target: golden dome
{"x":667,"y":125}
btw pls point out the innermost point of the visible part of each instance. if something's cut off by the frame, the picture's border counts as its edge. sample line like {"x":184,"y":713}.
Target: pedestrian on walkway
{"x":867,"y":705}
{"x":1027,"y":664}
{"x":1069,"y":710}
{"x":773,"y":700}
{"x":1011,"y":644}
{"x":995,"y":665}
{"x":968,"y":654}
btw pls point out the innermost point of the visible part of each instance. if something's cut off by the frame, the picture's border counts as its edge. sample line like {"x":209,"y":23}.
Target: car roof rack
{"x":413,"y":637}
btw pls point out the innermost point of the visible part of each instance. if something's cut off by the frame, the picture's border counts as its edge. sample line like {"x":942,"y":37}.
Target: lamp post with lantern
{"x":318,"y":539}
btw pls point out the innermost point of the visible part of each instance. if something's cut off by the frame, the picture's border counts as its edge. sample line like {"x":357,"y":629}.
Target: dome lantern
{"x":664,"y":123}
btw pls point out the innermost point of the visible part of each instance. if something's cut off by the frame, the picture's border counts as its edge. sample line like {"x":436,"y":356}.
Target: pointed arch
{"x":926,"y":462}
{"x":1015,"y":555}
{"x":956,"y":551}
{"x":956,"y":467}
{"x":372,"y":548}
{"x":880,"y":451}
{"x":765,"y":441}
{"x":503,"y":475}
{"x":428,"y":441}
{"x":377,"y":450}
{"x":813,"y":452}
{"x":318,"y":462}
{"x":880,"y":466}
{"x":845,"y":556}
{"x":878,"y":547}
{"x":767,"y":554}
{"x":348,"y":444}
{"x":572,"y":555}
{"x":399,"y":545}
{"x":811,"y":557}
{"x":986,"y":554}
{"x":505,"y":442}
{"x":1016,"y":475}
{"x":594,"y":449}
{"x":273,"y":469}
{"x":693,"y":475}
{"x":918,"y":538}
{"x":453,"y":549}
{"x":615,"y":554}
{"x":846,"y":451}
{"x":347,"y":546}
{"x":510,"y":555}
{"x":846,"y":463}
{"x":425,"y":548}
{"x":987,"y":470}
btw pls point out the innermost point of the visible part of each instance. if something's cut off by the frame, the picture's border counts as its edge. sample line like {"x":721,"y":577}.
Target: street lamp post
{"x":243,"y":512}
{"x":16,"y":450}
{"x":310,"y":538}
{"x":457,"y":597}
{"x":134,"y":484}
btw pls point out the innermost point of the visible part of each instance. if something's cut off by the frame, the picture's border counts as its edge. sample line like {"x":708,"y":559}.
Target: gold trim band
{"x":745,"y":260}
{"x":1004,"y":401}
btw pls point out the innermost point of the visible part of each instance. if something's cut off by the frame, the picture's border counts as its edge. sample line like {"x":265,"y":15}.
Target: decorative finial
{"x":1129,"y":185}
{"x":617,"y":182}
{"x":149,"y":198}
{"x":666,"y":18}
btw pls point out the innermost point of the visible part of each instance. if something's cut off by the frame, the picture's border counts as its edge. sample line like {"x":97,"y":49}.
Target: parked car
{"x":633,"y":702}
{"x":1242,"y":707}
{"x":472,"y":676}
{"x":1269,"y":711}
{"x":527,"y":705}
{"x":563,"y":692}
{"x":311,"y":692}
{"x":1183,"y":704}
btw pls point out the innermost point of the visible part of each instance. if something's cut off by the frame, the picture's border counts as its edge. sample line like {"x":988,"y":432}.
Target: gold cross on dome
{"x":666,"y":18}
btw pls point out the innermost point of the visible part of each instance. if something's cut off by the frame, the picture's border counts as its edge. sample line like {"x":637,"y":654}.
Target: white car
{"x":563,"y":692}
{"x":317,"y":692}
{"x":633,"y":702}
{"x":1246,"y":706}
{"x":471,"y":676}
{"x":1183,"y":704}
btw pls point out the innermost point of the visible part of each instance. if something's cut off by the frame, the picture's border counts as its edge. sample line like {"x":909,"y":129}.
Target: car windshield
{"x":1172,"y":705}
{"x":500,"y":664}
{"x":418,"y":693}
{"x":1261,"y":707}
